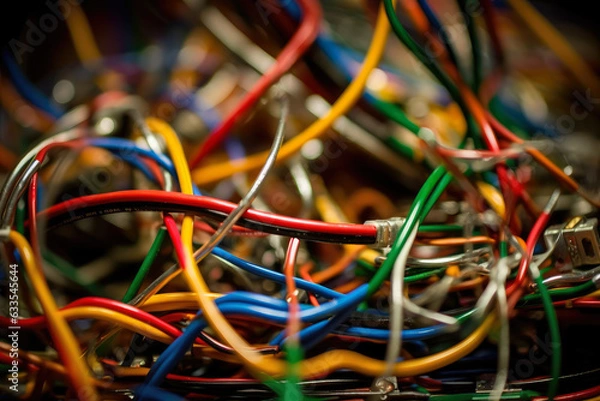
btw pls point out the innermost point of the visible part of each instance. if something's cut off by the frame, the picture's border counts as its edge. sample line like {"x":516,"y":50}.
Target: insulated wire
{"x":105,"y":314}
{"x":137,"y":281}
{"x":82,"y":35}
{"x":246,"y":201}
{"x":263,"y":365}
{"x":441,"y":31}
{"x":293,"y":348}
{"x":475,"y":44}
{"x":397,"y":304}
{"x":63,"y":337}
{"x":185,"y":256}
{"x":343,"y":104}
{"x":297,"y":46}
{"x":499,"y":275}
{"x":552,"y":37}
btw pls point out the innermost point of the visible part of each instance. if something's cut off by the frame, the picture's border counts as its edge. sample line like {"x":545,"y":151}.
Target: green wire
{"x":395,"y":114}
{"x":415,"y":213}
{"x":475,"y":44}
{"x":503,"y":249}
{"x":435,"y":228}
{"x":561,"y":294}
{"x":425,"y":275}
{"x":428,"y":62}
{"x":401,"y":148}
{"x":135,"y":285}
{"x":70,"y":271}
{"x":437,"y":192}
{"x":554,"y":335}
{"x":292,"y":391}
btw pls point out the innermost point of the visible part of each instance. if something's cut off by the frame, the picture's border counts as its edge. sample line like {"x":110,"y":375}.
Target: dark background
{"x":15,"y":13}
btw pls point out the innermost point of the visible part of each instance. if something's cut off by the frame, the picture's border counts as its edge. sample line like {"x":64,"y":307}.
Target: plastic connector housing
{"x":577,"y":243}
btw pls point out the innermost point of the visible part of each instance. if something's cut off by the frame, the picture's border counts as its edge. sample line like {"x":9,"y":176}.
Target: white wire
{"x":396,"y":305}
{"x":247,"y":200}
{"x":499,"y":275}
{"x":437,"y":317}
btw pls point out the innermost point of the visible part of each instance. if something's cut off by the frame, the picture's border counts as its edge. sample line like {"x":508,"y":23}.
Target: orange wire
{"x":416,"y":15}
{"x":338,"y":267}
{"x":489,"y":124}
{"x":37,"y":361}
{"x":479,"y":239}
{"x":13,"y":103}
{"x":366,"y":198}
{"x":350,"y":285}
{"x":289,"y":267}
{"x":488,"y":88}
{"x":304,"y":272}
{"x":419,"y":19}
{"x":469,"y":284}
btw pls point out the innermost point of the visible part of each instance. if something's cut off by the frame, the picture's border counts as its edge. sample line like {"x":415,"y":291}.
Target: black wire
{"x":84,"y":212}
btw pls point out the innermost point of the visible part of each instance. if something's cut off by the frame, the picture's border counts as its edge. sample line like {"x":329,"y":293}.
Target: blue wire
{"x":124,"y":148}
{"x":340,"y":56}
{"x":275,"y":311}
{"x":147,"y":393}
{"x":27,"y":89}
{"x":275,"y":276}
{"x":437,"y":26}
{"x":138,"y":164}
{"x":310,"y":338}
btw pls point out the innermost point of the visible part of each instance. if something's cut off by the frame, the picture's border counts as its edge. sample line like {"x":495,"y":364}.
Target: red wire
{"x":576,"y":396}
{"x":4,"y":358}
{"x":173,"y":231}
{"x":35,"y":248}
{"x":105,"y":303}
{"x":288,"y":269}
{"x":235,"y":231}
{"x":491,"y":21}
{"x":155,"y":169}
{"x":534,"y":235}
{"x":584,"y":303}
{"x":296,"y":47}
{"x":172,"y":376}
{"x":205,"y":202}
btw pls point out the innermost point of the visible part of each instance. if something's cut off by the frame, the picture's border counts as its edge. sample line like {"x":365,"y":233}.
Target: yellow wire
{"x":493,"y":197}
{"x":185,"y":181}
{"x":82,"y":36}
{"x":60,"y":331}
{"x":174,"y":301}
{"x":120,"y":319}
{"x":181,"y":167}
{"x":552,"y":37}
{"x":261,"y":365}
{"x":349,"y":97}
